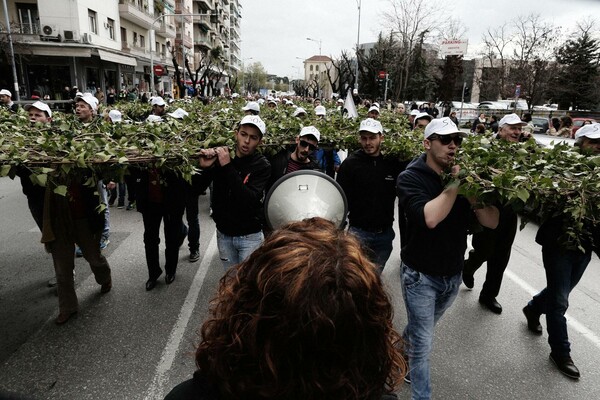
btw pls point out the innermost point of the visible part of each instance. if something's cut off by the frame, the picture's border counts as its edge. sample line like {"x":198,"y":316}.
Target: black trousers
{"x":493,"y":246}
{"x":175,"y":233}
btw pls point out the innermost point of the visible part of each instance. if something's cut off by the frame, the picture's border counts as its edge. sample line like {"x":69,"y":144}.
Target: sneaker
{"x":130,"y":206}
{"x":78,"y":252}
{"x":194,"y":256}
{"x":104,"y":243}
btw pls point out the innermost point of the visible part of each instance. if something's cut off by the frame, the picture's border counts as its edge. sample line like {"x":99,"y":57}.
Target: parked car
{"x":540,"y":124}
{"x":578,"y":123}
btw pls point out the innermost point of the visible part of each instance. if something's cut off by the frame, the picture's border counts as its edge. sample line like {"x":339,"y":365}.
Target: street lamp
{"x":358,"y":3}
{"x":317,"y":41}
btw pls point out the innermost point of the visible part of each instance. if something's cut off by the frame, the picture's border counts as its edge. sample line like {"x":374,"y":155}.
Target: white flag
{"x":349,"y":106}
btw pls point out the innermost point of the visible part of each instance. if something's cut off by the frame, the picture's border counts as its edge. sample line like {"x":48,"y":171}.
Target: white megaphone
{"x":305,"y":194}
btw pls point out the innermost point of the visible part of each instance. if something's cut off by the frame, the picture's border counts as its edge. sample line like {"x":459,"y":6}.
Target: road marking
{"x":575,"y":324}
{"x":168,"y":355}
{"x":34,"y":229}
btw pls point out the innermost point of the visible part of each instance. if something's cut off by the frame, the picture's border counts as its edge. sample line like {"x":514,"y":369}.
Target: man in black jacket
{"x":564,"y":264}
{"x":238,"y":191}
{"x":368,"y":179}
{"x":433,"y":255}
{"x":298,"y":158}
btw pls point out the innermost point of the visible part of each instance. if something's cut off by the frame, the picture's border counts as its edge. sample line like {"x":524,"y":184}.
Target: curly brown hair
{"x":304,"y":317}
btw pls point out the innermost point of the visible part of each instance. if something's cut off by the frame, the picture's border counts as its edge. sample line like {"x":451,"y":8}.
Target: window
{"x":28,"y":18}
{"x":317,"y":68}
{"x":123,"y":35}
{"x":110,"y":25}
{"x":311,"y":68}
{"x":135,"y":39}
{"x":142,"y":41}
{"x":93,"y":21}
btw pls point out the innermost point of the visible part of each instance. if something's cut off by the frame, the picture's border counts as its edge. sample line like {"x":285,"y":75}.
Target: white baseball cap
{"x":310,"y":130}
{"x":415,"y":112}
{"x":371,"y":125}
{"x":299,"y":111}
{"x":154,"y":118}
{"x":235,"y":95}
{"x":158,"y":101}
{"x":511,"y":119}
{"x":88,"y":98}
{"x":376,"y":105}
{"x":115,"y":115}
{"x":591,"y":131}
{"x":423,"y":115}
{"x":6,"y":92}
{"x":40,"y":106}
{"x":320,"y":110}
{"x":260,"y":101}
{"x":251,"y":106}
{"x":256,"y":121}
{"x":442,"y":126}
{"x":374,"y":108}
{"x":180,"y":113}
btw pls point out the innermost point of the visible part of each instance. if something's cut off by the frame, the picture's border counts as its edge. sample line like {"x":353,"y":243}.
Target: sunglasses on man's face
{"x":446,"y":139}
{"x":304,"y":143}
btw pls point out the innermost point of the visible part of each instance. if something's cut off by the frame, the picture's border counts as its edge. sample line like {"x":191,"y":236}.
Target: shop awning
{"x":56,"y":51}
{"x":117,"y":58}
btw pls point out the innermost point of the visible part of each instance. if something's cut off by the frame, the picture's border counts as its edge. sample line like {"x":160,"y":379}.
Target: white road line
{"x":34,"y":229}
{"x":168,"y":355}
{"x":578,"y":326}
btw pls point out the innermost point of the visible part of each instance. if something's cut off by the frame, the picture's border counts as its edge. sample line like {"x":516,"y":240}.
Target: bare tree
{"x":412,"y":21}
{"x":496,"y":43}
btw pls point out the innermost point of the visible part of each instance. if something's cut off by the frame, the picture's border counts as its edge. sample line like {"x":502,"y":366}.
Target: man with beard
{"x":564,"y":264}
{"x":493,"y":246}
{"x":368,"y":179}
{"x":288,"y":161}
{"x":433,"y":255}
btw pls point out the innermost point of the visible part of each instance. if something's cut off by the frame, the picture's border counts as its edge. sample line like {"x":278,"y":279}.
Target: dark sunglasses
{"x":446,"y":139}
{"x":304,"y":143}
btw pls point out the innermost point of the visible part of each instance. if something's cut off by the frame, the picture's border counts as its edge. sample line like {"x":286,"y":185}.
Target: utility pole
{"x":357,"y":44}
{"x":12,"y":54}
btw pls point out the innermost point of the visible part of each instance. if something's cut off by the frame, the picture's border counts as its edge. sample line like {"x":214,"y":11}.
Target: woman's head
{"x":304,"y":317}
{"x":566,"y":121}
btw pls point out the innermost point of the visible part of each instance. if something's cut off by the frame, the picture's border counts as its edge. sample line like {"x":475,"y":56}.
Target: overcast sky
{"x":274,"y":32}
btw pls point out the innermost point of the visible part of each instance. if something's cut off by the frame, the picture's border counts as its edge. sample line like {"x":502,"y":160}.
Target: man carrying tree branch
{"x":433,"y":254}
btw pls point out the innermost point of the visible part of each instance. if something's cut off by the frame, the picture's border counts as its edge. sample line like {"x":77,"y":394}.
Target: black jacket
{"x":438,"y":251}
{"x":238,"y":191}
{"x":174,"y":189}
{"x":370,"y":187}
{"x":279,"y":163}
{"x":552,"y":234}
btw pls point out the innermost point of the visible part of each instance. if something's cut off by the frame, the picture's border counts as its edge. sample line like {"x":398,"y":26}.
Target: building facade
{"x":110,"y":44}
{"x":315,"y":76}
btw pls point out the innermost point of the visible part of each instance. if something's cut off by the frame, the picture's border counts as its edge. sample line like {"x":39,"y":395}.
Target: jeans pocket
{"x":410,"y":277}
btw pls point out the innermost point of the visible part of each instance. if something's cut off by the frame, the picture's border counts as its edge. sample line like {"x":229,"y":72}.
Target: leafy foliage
{"x":536,"y":182}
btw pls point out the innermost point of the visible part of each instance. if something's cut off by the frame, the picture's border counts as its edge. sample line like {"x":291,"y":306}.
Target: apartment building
{"x":106,"y":44}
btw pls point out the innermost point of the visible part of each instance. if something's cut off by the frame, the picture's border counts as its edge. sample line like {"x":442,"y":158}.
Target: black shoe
{"x":468,"y":279}
{"x":566,"y":366}
{"x":194,"y":255}
{"x":150,"y":284}
{"x":491,"y":304}
{"x":169,"y":278}
{"x":533,"y":320}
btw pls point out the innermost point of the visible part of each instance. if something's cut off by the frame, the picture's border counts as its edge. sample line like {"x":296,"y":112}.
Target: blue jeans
{"x":235,"y":249}
{"x":103,"y":193}
{"x":426,"y":298}
{"x":564,"y":269}
{"x":379,"y":244}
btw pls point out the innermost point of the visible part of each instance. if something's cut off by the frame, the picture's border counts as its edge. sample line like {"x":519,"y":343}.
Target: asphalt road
{"x":133,"y":344}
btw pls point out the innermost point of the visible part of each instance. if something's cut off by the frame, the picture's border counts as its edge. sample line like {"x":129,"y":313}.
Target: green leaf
{"x":5,"y":170}
{"x":61,"y":190}
{"x":523,"y":195}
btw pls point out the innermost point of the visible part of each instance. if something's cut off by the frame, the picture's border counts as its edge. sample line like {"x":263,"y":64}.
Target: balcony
{"x":203,"y":21}
{"x":135,"y":12}
{"x":205,"y":4}
{"x":180,"y":8}
{"x":203,"y":42}
{"x":187,"y":41}
{"x":166,"y":30}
